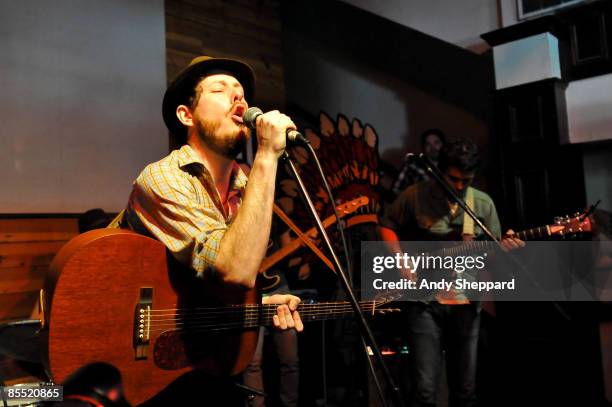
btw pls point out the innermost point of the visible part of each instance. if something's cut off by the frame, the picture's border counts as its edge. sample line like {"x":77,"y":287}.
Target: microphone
{"x":410,"y":158}
{"x":250,"y":119}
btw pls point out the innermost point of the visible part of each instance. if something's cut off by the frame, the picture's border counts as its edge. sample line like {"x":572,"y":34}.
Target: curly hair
{"x":461,"y":154}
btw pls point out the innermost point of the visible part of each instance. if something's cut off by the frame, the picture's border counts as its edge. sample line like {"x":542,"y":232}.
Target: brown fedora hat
{"x":182,"y":86}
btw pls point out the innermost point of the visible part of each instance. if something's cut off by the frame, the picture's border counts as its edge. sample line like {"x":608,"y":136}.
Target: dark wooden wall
{"x":27,"y":246}
{"x":249,"y":30}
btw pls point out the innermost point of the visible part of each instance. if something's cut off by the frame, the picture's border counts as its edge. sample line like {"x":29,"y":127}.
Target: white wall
{"x":457,"y":22}
{"x":508,"y":11}
{"x":598,"y":176}
{"x":318,"y":80}
{"x":589,"y":109}
{"x":82,"y":83}
{"x":528,"y":59}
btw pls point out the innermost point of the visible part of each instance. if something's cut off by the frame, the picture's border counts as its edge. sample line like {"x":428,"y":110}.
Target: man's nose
{"x":238,"y":95}
{"x":460,"y":185}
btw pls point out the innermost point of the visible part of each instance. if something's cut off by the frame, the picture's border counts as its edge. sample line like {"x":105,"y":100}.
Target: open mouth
{"x":237,"y":113}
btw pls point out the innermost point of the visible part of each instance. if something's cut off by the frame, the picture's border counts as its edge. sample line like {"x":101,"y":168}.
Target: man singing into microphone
{"x":197,"y":200}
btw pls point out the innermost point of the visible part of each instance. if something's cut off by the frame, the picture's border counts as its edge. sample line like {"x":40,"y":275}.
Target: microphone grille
{"x":250,"y":116}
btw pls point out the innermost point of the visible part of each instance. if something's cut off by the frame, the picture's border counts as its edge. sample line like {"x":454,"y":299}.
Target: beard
{"x":226,"y":146}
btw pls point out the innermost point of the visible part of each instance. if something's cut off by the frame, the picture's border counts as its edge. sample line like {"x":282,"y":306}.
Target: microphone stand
{"x":366,"y":332}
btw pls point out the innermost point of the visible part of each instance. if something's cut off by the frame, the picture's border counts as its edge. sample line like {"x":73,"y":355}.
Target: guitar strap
{"x":456,"y":297}
{"x":116,"y":223}
{"x":468,"y":222}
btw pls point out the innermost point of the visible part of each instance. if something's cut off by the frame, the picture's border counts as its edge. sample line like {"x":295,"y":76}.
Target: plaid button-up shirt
{"x":175,"y":201}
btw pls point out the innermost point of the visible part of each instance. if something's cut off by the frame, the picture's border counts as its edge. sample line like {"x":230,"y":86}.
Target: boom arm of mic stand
{"x":366,"y":332}
{"x":435,"y":173}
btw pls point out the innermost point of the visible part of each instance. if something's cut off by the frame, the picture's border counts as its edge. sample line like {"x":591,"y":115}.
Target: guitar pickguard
{"x":170,"y":352}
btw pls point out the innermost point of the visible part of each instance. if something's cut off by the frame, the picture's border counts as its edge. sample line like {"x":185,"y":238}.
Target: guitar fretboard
{"x":534,"y":233}
{"x":245,"y":315}
{"x":308,"y":312}
{"x":471,"y":247}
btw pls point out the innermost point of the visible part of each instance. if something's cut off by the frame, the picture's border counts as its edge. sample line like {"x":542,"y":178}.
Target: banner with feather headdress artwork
{"x":348,"y":152}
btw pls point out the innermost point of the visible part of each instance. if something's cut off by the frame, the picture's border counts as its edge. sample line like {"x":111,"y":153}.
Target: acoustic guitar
{"x":116,"y":297}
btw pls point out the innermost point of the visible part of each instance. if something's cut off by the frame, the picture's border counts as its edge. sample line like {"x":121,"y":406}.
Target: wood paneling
{"x":27,"y":246}
{"x":246,"y":30}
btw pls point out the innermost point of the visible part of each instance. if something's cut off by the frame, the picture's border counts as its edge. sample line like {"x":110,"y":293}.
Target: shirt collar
{"x":187,"y":156}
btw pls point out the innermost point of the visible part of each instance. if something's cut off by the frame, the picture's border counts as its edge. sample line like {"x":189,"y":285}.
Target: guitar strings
{"x":242,"y":306}
{"x":240,"y":313}
{"x":260,"y":311}
{"x":211,"y":311}
{"x":244,"y":316}
{"x":253,"y":322}
{"x":247,"y":319}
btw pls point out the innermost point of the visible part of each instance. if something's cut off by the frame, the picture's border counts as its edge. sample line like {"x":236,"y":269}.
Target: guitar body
{"x":101,"y":280}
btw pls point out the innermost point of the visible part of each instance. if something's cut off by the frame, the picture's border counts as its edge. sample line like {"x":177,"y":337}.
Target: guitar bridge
{"x":142,"y":323}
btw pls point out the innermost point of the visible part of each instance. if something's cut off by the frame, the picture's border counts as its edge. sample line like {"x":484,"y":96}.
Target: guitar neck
{"x":534,"y":233}
{"x":257,"y":315}
{"x":468,"y":248}
{"x":244,"y":316}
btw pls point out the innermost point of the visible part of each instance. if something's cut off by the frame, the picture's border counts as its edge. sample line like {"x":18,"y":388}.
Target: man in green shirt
{"x":450,"y":323}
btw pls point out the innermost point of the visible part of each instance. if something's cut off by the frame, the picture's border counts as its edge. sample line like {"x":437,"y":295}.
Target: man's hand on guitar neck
{"x":287,"y":316}
{"x":509,"y":242}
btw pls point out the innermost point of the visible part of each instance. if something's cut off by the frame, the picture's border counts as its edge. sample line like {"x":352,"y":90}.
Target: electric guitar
{"x":115,"y":296}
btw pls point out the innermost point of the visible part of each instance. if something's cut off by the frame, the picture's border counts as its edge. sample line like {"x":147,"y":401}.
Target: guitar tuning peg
{"x":557,"y":220}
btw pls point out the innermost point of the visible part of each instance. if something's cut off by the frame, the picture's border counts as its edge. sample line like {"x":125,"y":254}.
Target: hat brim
{"x":182,"y":86}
